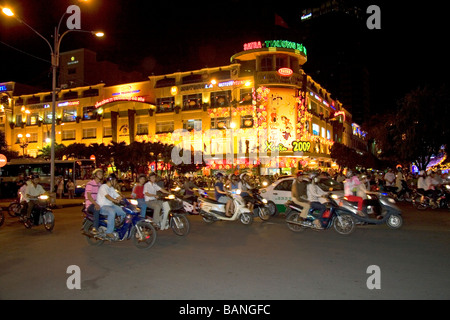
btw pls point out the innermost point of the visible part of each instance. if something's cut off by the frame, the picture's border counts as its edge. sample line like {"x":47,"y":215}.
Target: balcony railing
{"x":272,"y":77}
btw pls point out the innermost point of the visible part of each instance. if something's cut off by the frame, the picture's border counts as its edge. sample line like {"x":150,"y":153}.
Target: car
{"x":279,"y":192}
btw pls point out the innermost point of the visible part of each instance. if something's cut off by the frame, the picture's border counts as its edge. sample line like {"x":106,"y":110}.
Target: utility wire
{"x":21,"y":51}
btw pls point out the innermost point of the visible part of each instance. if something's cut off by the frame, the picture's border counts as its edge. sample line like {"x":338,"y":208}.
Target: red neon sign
{"x":285,"y":72}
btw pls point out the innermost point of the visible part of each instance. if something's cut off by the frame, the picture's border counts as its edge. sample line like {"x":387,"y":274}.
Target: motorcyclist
{"x":150,"y":192}
{"x":245,"y":187}
{"x":32,"y":192}
{"x":299,"y":193}
{"x":314,"y":194}
{"x":351,"y":186}
{"x":90,"y":197}
{"x":188,"y":186}
{"x":107,"y":199}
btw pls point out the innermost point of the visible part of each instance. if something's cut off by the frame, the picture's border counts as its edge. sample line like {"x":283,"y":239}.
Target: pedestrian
{"x":60,"y":187}
{"x":70,"y":188}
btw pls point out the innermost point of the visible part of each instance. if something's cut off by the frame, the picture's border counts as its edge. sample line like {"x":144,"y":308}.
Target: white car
{"x":279,"y":192}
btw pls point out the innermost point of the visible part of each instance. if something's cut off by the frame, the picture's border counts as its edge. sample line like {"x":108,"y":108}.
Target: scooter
{"x":41,"y":214}
{"x":260,"y":208}
{"x":336,"y":216}
{"x":133,"y":226}
{"x":212,"y":210}
{"x":380,"y":204}
{"x":173,"y":216}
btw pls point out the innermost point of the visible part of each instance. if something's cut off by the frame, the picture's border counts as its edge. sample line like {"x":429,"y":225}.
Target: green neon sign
{"x":285,"y":44}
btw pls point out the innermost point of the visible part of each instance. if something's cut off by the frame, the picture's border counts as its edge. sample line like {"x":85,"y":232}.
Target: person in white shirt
{"x":314,"y":194}
{"x":32,"y":192}
{"x":150,"y":194}
{"x":107,"y":199}
{"x":389,"y":177}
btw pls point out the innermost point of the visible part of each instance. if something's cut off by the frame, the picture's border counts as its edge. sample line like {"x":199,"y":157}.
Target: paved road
{"x":230,"y":261}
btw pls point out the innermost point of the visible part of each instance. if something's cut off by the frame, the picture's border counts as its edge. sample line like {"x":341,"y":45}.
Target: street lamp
{"x":55,"y":64}
{"x":23,"y":142}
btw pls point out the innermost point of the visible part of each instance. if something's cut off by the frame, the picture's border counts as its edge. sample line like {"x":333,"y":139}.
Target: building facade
{"x":260,"y":111}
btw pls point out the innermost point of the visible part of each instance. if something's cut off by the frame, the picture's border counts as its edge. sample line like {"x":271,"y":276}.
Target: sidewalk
{"x":59,"y":204}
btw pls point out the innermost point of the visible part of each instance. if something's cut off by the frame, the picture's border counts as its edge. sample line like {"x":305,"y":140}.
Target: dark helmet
{"x":111,"y":177}
{"x":35,"y":176}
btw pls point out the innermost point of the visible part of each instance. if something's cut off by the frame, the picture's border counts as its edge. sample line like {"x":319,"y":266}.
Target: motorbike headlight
{"x":390,"y":200}
{"x":171,"y":197}
{"x":265,"y":184}
{"x":43,"y":197}
{"x":238,"y":191}
{"x":334,"y":196}
{"x":264,"y":201}
{"x":447,"y":187}
{"x":134,"y":202}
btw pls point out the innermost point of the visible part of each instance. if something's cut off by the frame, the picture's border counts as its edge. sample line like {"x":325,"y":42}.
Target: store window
{"x":316,"y":129}
{"x":107,"y":132}
{"x":165,"y":104}
{"x":220,"y":99}
{"x":164,"y":127}
{"x":192,"y":101}
{"x":142,"y":129}
{"x":192,"y":124}
{"x":69,"y":114}
{"x":89,"y":113}
{"x":220,"y":123}
{"x":246,"y":96}
{"x":247,"y":121}
{"x":266,"y":64}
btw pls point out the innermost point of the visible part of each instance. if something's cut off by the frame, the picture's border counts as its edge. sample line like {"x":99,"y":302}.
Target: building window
{"x":220,"y":123}
{"x":266,"y":64}
{"x":316,"y":129}
{"x":89,"y":113}
{"x":142,"y":129}
{"x":68,"y":134}
{"x":220,"y":99}
{"x":107,"y":132}
{"x":193,"y":124}
{"x":246,"y":96}
{"x":247,"y":121}
{"x":71,"y":71}
{"x":69,"y":114}
{"x":165,"y":104}
{"x":33,"y":137}
{"x":192,"y":101}
{"x":281,"y":62}
{"x":90,"y":133}
{"x":164,"y":127}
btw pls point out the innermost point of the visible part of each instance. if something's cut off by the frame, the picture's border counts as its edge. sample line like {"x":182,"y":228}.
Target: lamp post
{"x":54,"y":51}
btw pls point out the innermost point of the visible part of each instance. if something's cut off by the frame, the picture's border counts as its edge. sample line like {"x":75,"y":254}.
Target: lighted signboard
{"x":3,"y":88}
{"x":105,"y":101}
{"x":275,"y":44}
{"x":285,"y":72}
{"x":68,"y":103}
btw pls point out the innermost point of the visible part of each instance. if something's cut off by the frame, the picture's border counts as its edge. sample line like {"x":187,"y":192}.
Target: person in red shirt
{"x":138,"y":194}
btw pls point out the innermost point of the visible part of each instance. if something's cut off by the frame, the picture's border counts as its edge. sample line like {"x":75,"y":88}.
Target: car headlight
{"x":264,"y":201}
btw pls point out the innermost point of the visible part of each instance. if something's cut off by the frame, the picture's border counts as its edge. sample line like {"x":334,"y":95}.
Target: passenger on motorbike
{"x":245,"y":187}
{"x":90,"y":196}
{"x":108,"y":198}
{"x":351,"y":187}
{"x":138,"y":194}
{"x":299,"y":193}
{"x":314,"y":194}
{"x":188,"y":186}
{"x":150,"y":192}
{"x":32,"y":192}
{"x":221,"y":195}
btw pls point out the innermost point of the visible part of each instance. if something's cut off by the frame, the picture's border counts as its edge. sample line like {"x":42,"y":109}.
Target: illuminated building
{"x":262,"y":90}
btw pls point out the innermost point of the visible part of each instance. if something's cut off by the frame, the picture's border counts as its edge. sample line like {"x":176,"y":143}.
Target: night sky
{"x":157,"y":37}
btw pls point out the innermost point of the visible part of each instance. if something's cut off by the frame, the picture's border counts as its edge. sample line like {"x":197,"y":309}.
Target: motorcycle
{"x":441,"y":200}
{"x":260,"y":208}
{"x":173,"y":216}
{"x":15,"y":208}
{"x":133,"y":226}
{"x":40,"y":214}
{"x":381,"y":205}
{"x":212,"y":210}
{"x":334,"y":216}
{"x":189,"y":202}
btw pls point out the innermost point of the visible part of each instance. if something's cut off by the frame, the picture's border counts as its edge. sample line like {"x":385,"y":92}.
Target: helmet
{"x":35,"y":176}
{"x":219,"y":175}
{"x":299,"y":173}
{"x":349,"y":173}
{"x":95,"y":171}
{"x":111,"y":177}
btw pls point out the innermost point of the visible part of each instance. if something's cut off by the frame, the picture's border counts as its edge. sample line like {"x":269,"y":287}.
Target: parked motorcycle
{"x":260,"y":208}
{"x":41,"y":214}
{"x":381,"y":205}
{"x":336,"y":216}
{"x":133,"y":226}
{"x":173,"y":216}
{"x":212,"y":210}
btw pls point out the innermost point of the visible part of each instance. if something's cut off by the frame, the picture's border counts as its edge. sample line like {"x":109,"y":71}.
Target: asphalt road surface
{"x":227,"y":260}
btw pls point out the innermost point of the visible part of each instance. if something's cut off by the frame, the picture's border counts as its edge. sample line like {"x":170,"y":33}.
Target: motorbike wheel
{"x":87,"y":229}
{"x":49,"y":220}
{"x":294,"y":216}
{"x":246,"y":218}
{"x":14,"y":209}
{"x":146,"y":237}
{"x":264,"y":213}
{"x":344,"y":224}
{"x":272,"y":208}
{"x":422,"y":206}
{"x":180,"y":224}
{"x":395,"y":221}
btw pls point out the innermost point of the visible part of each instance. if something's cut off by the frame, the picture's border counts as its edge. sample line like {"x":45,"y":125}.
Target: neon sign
{"x":275,"y":44}
{"x":3,"y":88}
{"x":297,"y":146}
{"x":285,"y":72}
{"x":109,"y":100}
{"x":68,"y":103}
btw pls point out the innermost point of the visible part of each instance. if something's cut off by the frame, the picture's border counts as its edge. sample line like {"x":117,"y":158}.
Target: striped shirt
{"x":92,"y":188}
